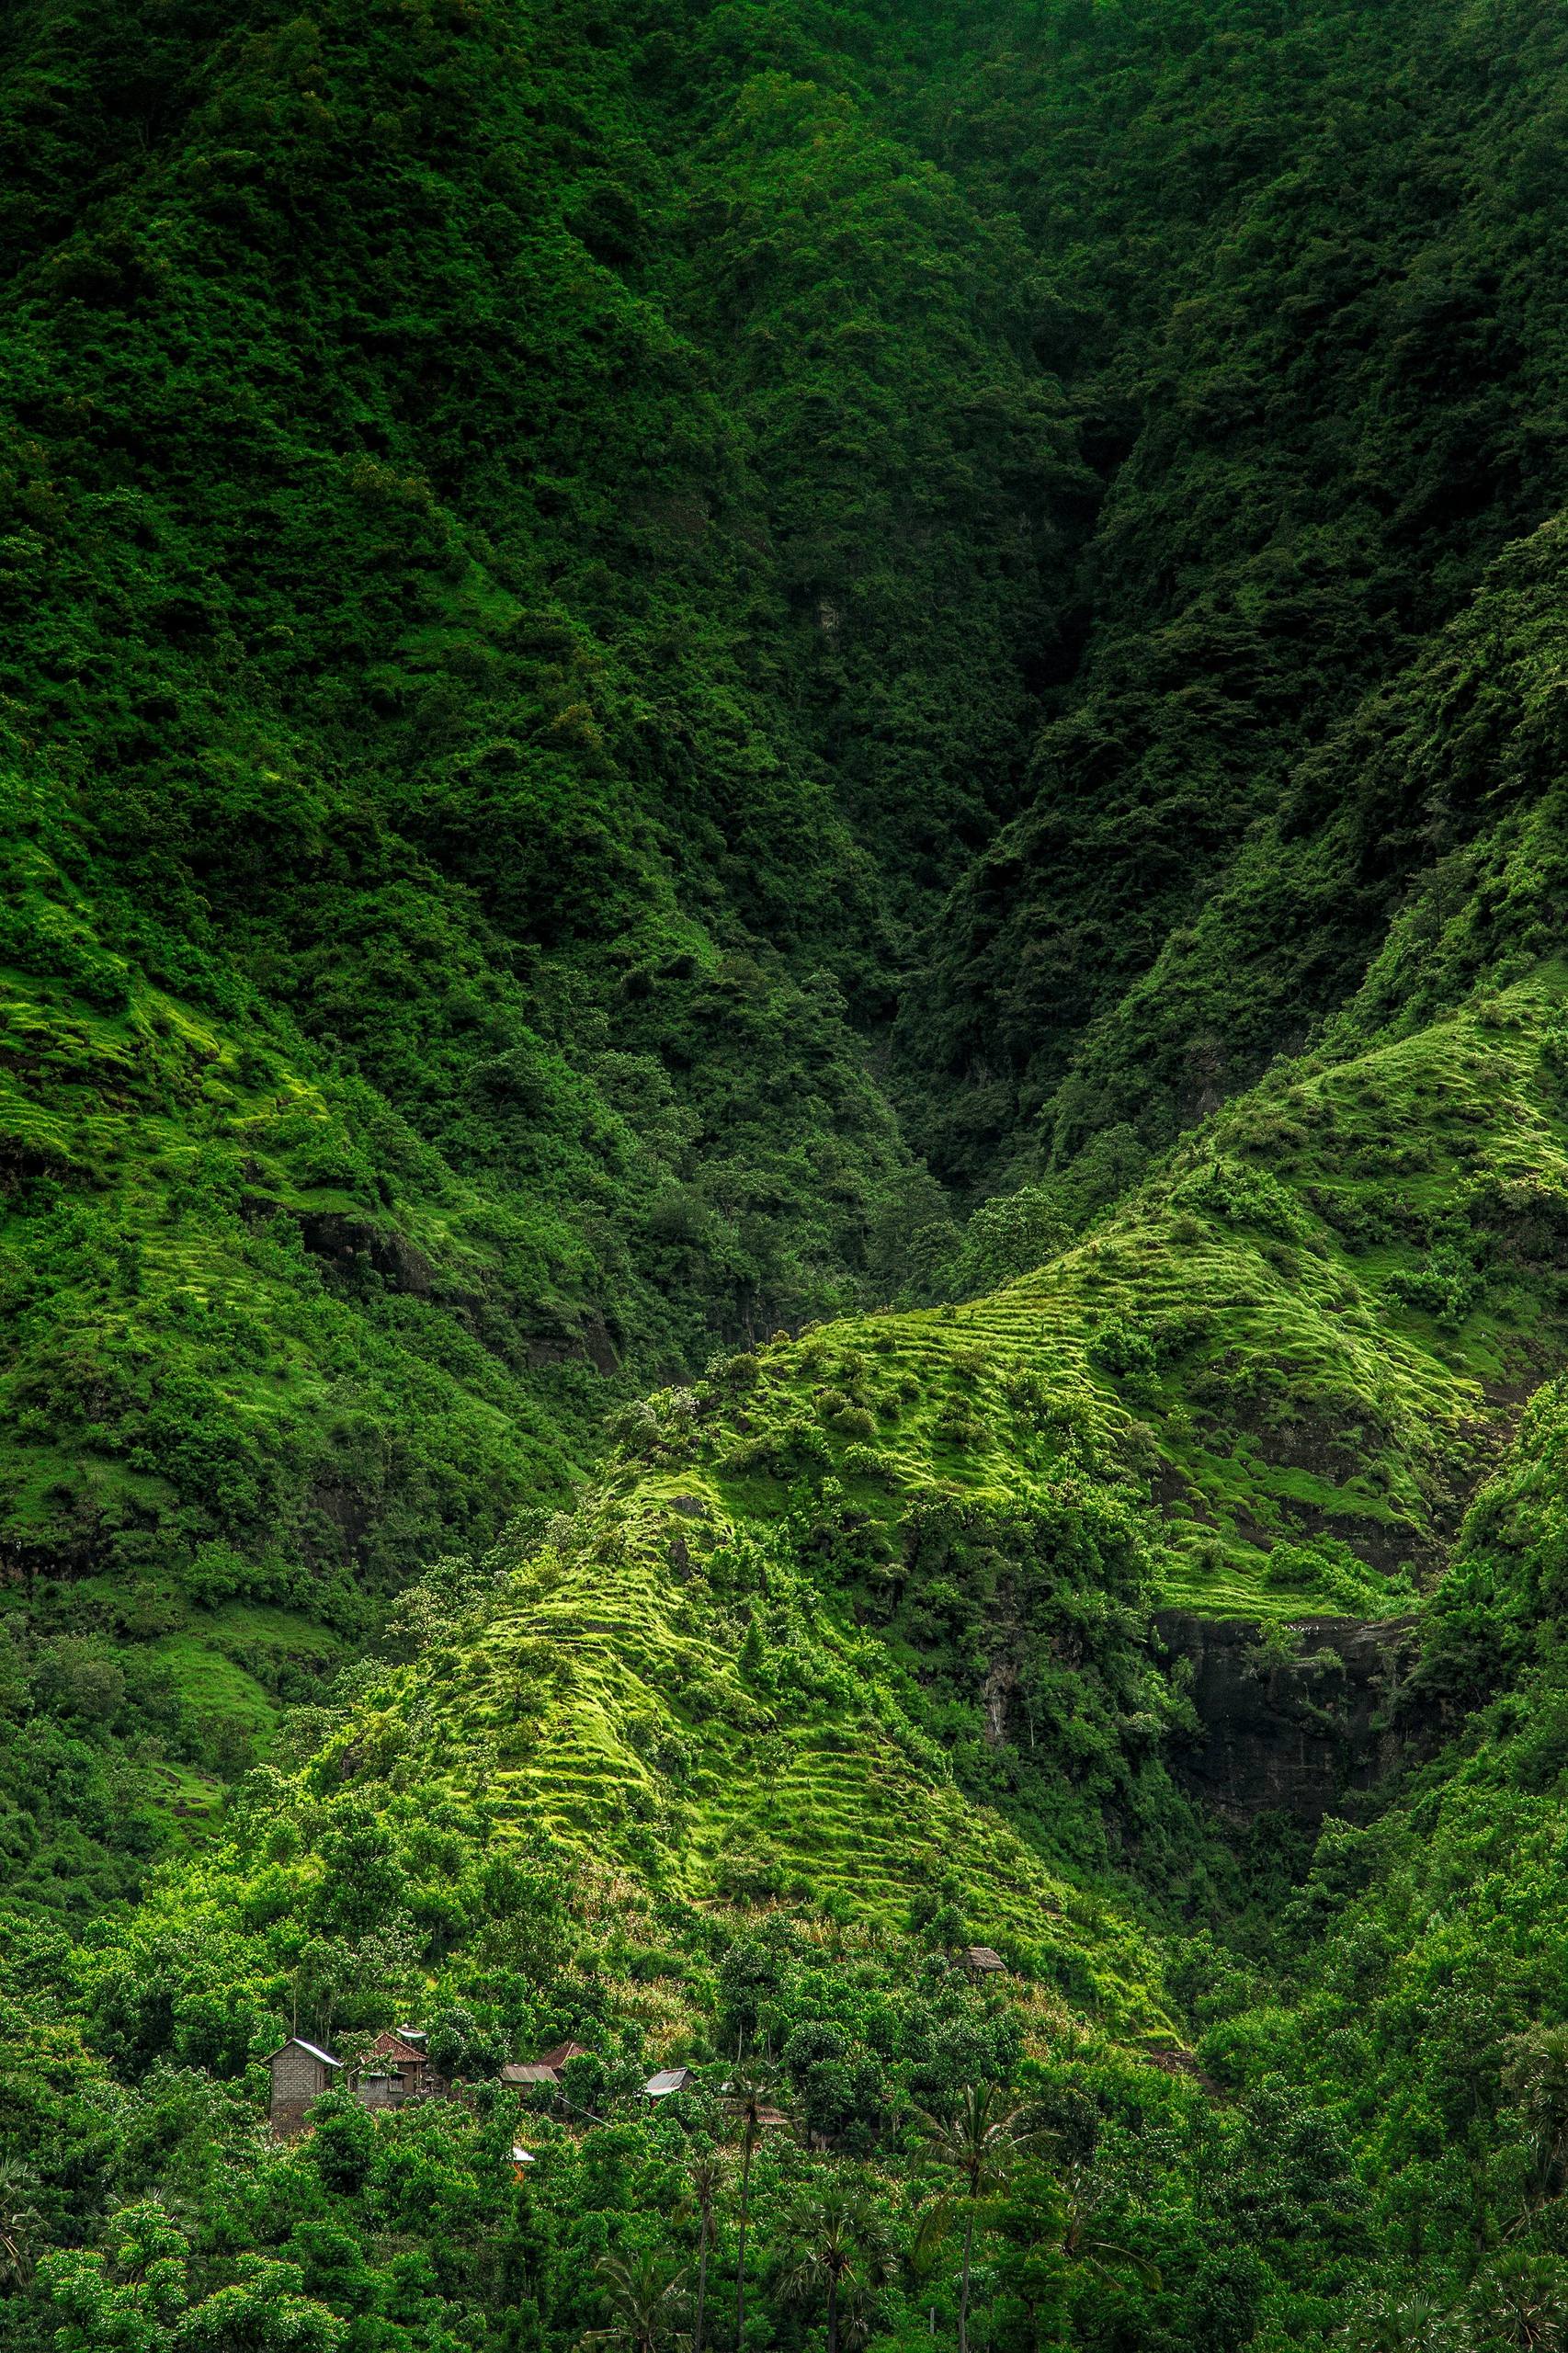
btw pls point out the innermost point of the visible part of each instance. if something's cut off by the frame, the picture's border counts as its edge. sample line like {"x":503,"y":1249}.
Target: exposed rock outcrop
{"x":1290,"y":1719}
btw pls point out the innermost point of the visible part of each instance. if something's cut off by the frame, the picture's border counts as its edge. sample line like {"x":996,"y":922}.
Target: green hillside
{"x":784,"y":1173}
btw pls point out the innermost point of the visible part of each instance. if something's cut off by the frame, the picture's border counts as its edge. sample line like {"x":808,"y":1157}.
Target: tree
{"x":748,"y":2094}
{"x":645,"y":2303}
{"x":1395,"y":2324}
{"x":980,"y":2142}
{"x":837,"y":2243}
{"x":264,"y":2312}
{"x":706,"y":2175}
{"x":128,"y":2302}
{"x":20,"y":2219}
{"x":923,"y":2256}
{"x":460,"y":2047}
{"x":137,"y":2301}
{"x":1081,"y":2241}
{"x":1534,"y":2074}
{"x":1520,"y":2301}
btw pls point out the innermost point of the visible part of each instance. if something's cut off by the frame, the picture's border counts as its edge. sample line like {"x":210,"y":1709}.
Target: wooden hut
{"x":300,"y":2073}
{"x":981,"y":1961}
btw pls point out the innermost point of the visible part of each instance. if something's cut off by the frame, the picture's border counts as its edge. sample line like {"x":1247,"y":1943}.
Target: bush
{"x":1124,"y":1352}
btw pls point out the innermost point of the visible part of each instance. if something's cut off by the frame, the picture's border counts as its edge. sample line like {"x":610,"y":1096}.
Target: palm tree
{"x":1395,"y":2324}
{"x":19,"y":2219}
{"x":923,"y":2256}
{"x":836,"y":2245}
{"x":1080,"y":2243}
{"x":748,"y":2095}
{"x":1518,"y":2301}
{"x":1537,"y":2076}
{"x":645,"y":2303}
{"x":706,"y":2175}
{"x":980,"y":2143}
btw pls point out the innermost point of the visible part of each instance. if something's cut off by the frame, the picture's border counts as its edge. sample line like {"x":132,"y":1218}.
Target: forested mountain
{"x":784,"y":1173}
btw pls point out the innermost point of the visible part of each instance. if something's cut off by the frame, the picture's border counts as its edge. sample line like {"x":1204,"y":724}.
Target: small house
{"x":300,"y":2073}
{"x":667,"y":2081}
{"x":395,"y":2070}
{"x":521,"y":2160}
{"x":548,"y":2068}
{"x":981,"y":1961}
{"x":561,"y":2058}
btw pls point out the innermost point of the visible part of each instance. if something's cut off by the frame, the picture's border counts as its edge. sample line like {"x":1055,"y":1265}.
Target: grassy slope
{"x":428,"y":926}
{"x":870,"y":1606}
{"x":1314,"y":1322}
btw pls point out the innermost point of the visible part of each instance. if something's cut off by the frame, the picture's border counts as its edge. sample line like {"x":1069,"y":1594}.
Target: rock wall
{"x":1292,"y":1717}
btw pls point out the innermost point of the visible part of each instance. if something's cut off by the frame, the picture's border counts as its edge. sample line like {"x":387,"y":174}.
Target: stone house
{"x":300,"y":2073}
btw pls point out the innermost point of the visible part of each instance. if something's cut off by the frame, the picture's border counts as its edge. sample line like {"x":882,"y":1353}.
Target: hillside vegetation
{"x":784,"y":1173}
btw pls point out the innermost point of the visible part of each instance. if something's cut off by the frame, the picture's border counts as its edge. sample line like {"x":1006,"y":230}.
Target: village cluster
{"x":397,"y":2070}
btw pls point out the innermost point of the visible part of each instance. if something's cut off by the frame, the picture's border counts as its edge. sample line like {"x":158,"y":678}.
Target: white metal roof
{"x":668,"y":2079}
{"x":297,"y":2043}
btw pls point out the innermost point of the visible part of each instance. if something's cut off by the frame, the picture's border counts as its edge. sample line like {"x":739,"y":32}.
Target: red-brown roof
{"x":387,"y":2045}
{"x":562,"y":2052}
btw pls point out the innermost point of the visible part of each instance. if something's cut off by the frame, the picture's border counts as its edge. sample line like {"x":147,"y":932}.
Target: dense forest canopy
{"x":783,"y":1175}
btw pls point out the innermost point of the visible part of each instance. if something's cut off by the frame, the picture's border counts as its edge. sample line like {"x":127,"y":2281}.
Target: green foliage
{"x":869,"y":699}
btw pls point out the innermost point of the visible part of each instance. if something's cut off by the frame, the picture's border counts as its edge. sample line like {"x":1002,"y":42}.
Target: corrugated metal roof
{"x":297,"y":2043}
{"x":667,"y":2080}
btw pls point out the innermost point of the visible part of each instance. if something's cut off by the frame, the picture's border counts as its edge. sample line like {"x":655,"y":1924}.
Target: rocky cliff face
{"x":1291,"y":1718}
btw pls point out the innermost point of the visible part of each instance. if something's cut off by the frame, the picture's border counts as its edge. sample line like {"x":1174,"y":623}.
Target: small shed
{"x":521,"y":2160}
{"x":548,"y":2068}
{"x":981,"y":1960}
{"x":301,"y":2072}
{"x":667,"y":2080}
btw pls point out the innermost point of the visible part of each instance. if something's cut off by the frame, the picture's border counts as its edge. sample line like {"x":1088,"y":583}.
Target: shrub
{"x":1119,"y":1349}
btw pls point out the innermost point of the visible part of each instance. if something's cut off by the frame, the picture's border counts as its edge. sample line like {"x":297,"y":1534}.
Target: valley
{"x":783,"y":1177}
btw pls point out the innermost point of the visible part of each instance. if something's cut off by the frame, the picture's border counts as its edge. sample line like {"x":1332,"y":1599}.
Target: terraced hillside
{"x":1300,"y":1342}
{"x":879,"y":1599}
{"x":784,"y":1175}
